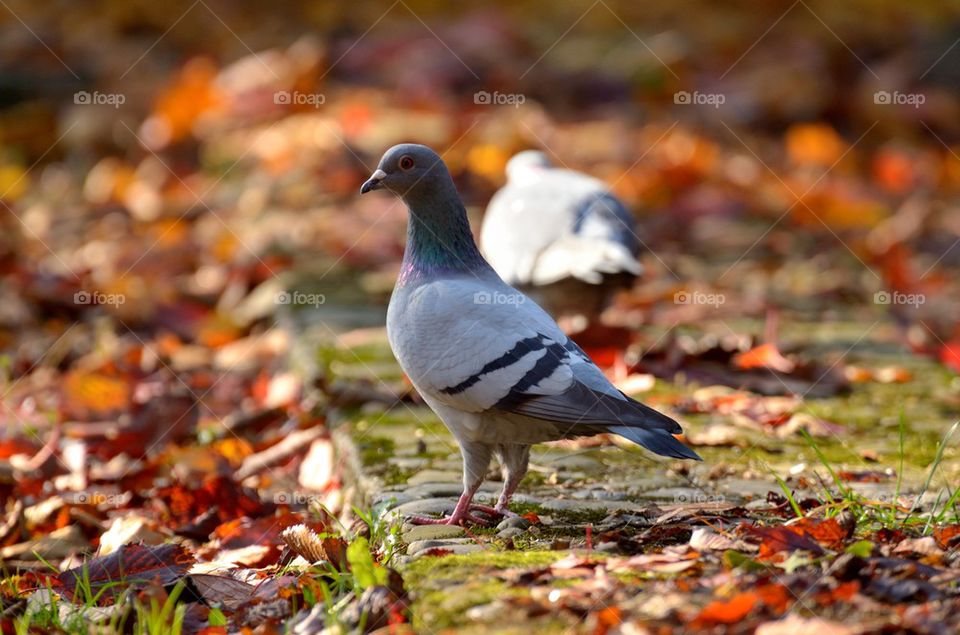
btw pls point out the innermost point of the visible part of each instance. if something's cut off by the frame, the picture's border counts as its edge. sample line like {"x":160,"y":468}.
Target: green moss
{"x":444,"y":588}
{"x":375,"y":450}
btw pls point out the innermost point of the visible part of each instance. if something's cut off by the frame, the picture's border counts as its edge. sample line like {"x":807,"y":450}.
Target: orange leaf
{"x":95,"y":392}
{"x":764,"y":356}
{"x":827,"y":532}
{"x":776,"y":540}
{"x":894,"y":171}
{"x":727,"y":611}
{"x":608,"y":618}
{"x":814,"y":144}
{"x":776,"y":596}
{"x":947,"y":537}
{"x":192,"y":94}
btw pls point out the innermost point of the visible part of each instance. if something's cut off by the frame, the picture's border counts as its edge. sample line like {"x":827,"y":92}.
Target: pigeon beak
{"x":374,"y":182}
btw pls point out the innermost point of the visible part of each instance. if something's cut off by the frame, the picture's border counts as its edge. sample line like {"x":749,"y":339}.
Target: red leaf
{"x":950,"y":355}
{"x":230,"y":500}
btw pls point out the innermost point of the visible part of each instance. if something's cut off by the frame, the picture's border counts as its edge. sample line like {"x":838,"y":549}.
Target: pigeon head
{"x":525,"y":163}
{"x":410,"y":171}
{"x":439,"y":241}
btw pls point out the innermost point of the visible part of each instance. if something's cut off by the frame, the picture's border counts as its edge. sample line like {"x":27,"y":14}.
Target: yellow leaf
{"x":13,"y":182}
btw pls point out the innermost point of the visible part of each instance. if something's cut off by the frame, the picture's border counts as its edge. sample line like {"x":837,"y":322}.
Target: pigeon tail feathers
{"x":658,"y":441}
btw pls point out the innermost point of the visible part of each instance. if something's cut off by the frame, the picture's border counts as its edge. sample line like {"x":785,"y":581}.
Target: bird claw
{"x":461,"y":520}
{"x":486,"y":509}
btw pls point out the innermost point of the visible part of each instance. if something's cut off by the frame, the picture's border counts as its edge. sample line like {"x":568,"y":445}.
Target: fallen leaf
{"x":316,"y":470}
{"x":128,"y":529}
{"x":777,"y":540}
{"x":88,"y":394}
{"x":314,"y":547}
{"x":924,"y":546}
{"x":726,"y":611}
{"x":56,"y":545}
{"x":703,"y":539}
{"x":764,"y":356}
{"x":948,"y":537}
{"x":134,"y":564}
{"x":828,"y":533}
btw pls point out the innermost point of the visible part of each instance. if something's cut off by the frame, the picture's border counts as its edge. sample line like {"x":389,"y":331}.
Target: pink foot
{"x":455,"y":519}
{"x":486,"y":509}
{"x":506,"y":513}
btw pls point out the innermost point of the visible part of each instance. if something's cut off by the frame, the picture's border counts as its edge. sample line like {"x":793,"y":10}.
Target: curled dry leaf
{"x":314,"y":547}
{"x":704,"y":539}
{"x":12,"y":526}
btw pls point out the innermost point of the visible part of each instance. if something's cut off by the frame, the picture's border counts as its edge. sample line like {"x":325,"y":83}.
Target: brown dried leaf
{"x":132,"y":564}
{"x":314,"y":547}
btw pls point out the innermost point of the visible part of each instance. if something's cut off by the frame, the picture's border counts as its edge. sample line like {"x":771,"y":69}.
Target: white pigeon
{"x":560,"y":236}
{"x":492,"y":364}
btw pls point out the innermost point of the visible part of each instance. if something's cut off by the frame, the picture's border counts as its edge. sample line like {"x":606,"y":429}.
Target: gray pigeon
{"x":560,"y":236}
{"x":491,"y":363}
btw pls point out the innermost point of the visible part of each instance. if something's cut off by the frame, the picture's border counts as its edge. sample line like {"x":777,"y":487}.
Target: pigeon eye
{"x":406,"y":162}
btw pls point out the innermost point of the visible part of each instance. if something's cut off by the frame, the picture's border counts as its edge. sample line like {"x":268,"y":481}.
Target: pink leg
{"x":502,"y":506}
